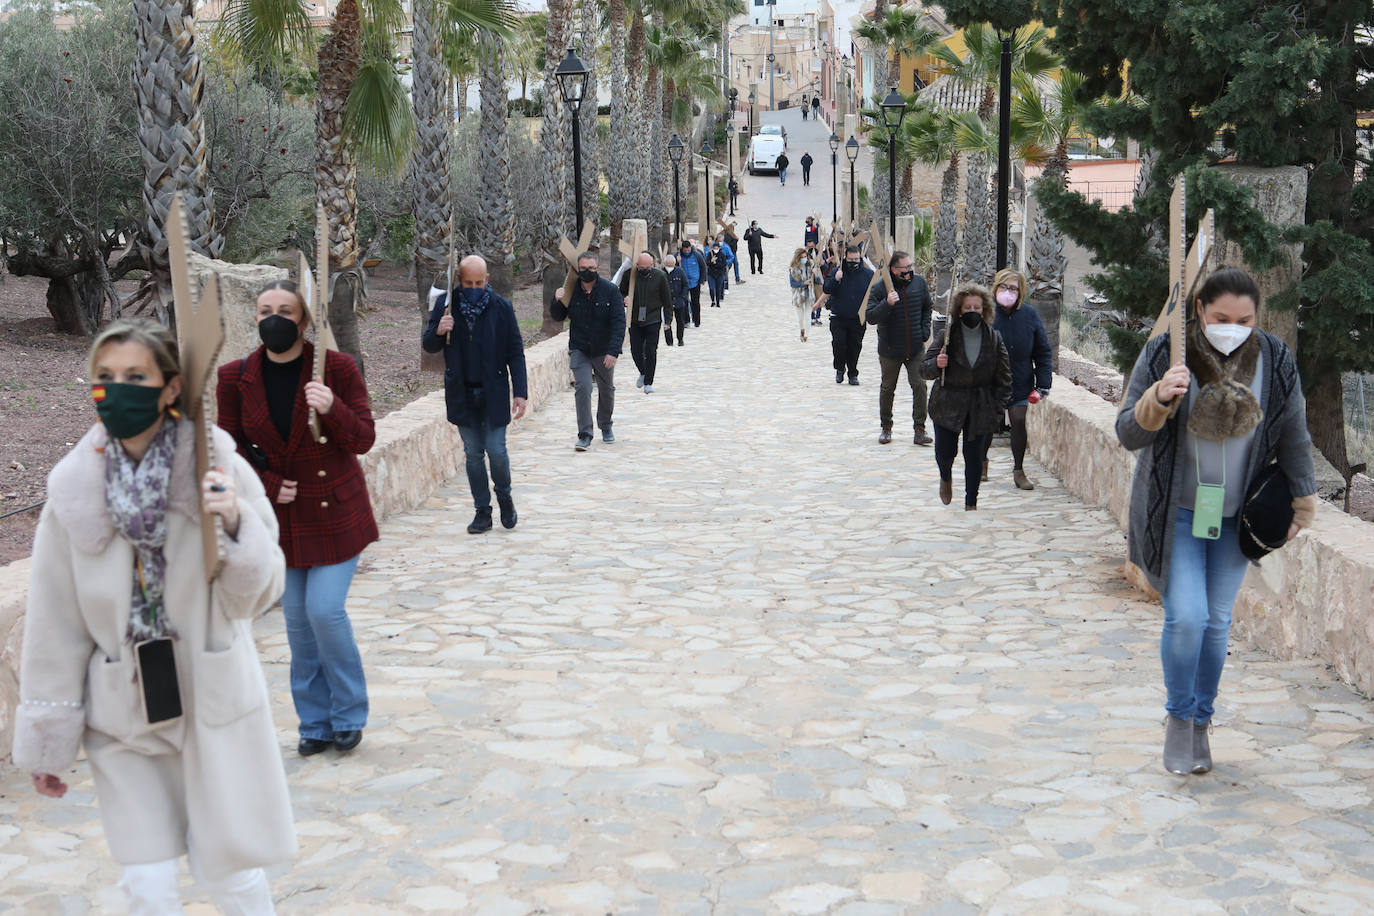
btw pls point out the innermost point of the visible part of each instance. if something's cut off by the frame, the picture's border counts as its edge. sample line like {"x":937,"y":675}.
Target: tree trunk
{"x":1326,"y":419}
{"x":947,"y":233}
{"x":591,"y":144}
{"x":555,"y":133}
{"x":634,"y":100}
{"x":979,"y":240}
{"x":619,"y":171}
{"x":433,"y":205}
{"x":75,"y":303}
{"x":495,"y":207}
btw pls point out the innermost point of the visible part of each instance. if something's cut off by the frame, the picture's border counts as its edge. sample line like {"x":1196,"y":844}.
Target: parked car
{"x":773,"y":130}
{"x":764,"y":150}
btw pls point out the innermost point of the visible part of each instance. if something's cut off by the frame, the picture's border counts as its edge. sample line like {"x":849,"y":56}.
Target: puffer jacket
{"x":968,"y":395}
{"x":904,"y":327}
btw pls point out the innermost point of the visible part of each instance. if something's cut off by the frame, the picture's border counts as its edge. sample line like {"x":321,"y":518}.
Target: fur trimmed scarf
{"x":136,"y":498}
{"x":1225,"y":407}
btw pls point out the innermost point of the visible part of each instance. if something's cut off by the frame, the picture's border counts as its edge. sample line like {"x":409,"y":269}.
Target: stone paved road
{"x":743,"y":661}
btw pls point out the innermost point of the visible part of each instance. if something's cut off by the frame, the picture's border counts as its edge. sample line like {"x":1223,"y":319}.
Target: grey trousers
{"x":584,"y":369}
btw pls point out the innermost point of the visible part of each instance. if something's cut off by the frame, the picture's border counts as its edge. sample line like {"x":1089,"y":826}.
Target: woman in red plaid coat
{"x":321,"y":501}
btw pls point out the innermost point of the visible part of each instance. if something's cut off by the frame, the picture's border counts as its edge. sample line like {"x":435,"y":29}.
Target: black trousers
{"x":644,"y":349}
{"x":806,"y":175}
{"x":755,"y":256}
{"x":696,"y":302}
{"x":975,"y":449}
{"x":682,"y":316}
{"x":846,"y":342}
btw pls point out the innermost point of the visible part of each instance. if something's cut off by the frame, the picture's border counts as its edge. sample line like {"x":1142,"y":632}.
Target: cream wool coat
{"x":215,"y":774}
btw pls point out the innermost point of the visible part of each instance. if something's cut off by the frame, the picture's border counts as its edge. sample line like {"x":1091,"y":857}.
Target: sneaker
{"x":839,"y":378}
{"x":679,"y":343}
{"x":885,"y":436}
{"x":648,"y":389}
{"x":607,"y":436}
{"x":583,"y":443}
{"x":508,"y":516}
{"x":639,"y":382}
{"x":481,"y":521}
{"x":853,"y":380}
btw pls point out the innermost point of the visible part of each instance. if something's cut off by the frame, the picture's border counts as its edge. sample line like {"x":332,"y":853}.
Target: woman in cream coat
{"x":210,"y":782}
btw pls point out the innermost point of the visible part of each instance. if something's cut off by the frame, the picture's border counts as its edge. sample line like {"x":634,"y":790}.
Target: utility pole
{"x":771,"y":66}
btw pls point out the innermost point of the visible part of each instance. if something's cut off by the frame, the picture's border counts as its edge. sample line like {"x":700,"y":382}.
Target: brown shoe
{"x":946,"y":491}
{"x":1022,"y":481}
{"x":885,"y":436}
{"x":970,"y":508}
{"x":985,"y":470}
{"x":921,"y":438}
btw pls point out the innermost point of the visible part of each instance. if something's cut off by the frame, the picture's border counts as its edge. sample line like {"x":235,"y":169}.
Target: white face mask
{"x":1226,"y":337}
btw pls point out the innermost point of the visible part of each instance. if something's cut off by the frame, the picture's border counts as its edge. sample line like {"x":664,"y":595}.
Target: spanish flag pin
{"x":97,"y":393}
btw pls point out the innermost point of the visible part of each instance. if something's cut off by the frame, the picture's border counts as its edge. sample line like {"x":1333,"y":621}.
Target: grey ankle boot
{"x":1202,"y":747}
{"x":1178,"y":746}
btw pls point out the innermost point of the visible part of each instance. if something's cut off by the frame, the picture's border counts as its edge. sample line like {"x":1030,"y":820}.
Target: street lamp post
{"x":834,"y":178}
{"x":894,"y":110}
{"x":706,"y":150}
{"x":751,"y":112}
{"x":771,"y":18}
{"x":1003,"y":150}
{"x":730,"y":137}
{"x":675,"y":149}
{"x":572,"y":84}
{"x":851,"y":152}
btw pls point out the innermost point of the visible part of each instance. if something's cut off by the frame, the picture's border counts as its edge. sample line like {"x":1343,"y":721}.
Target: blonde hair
{"x":962,"y":292}
{"x":1009,"y":273}
{"x":157,"y":339}
{"x":797,"y":257}
{"x":289,"y":286}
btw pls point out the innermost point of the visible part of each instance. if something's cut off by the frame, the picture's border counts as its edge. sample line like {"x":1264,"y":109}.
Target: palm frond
{"x":378,"y":121}
{"x":265,"y":30}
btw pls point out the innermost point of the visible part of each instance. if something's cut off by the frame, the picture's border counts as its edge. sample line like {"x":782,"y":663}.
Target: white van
{"x":764,"y":150}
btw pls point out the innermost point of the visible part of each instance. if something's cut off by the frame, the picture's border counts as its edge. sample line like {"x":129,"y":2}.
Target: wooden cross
{"x":1184,"y":270}
{"x":631,"y":248}
{"x":882,"y":256}
{"x":200,"y":338}
{"x":584,"y":242}
{"x":319,"y":307}
{"x":663,"y":251}
{"x":452,"y":267}
{"x":727,"y":227}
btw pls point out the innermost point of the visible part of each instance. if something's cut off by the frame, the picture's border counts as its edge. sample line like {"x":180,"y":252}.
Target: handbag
{"x":1266,"y":514}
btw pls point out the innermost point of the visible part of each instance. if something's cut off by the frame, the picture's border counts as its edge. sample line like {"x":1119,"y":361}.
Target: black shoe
{"x":309,"y":747}
{"x":583,"y":442}
{"x":839,"y":378}
{"x":508,"y":516}
{"x":607,"y":436}
{"x":853,"y":380}
{"x":679,"y":343}
{"x":347,"y":741}
{"x":481,"y":521}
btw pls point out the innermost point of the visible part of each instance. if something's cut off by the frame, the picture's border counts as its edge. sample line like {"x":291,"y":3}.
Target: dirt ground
{"x":45,"y":402}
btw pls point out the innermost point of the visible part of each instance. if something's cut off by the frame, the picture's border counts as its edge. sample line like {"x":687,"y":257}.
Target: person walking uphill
{"x":1206,"y":432}
{"x":596,"y":333}
{"x":806,"y":163}
{"x":652,"y":306}
{"x":693,"y":264}
{"x":682,"y":300}
{"x":320,"y":497}
{"x":753,"y":237}
{"x":1032,"y":370}
{"x":783,"y":162}
{"x":717,"y":266}
{"x":903,"y":320}
{"x":968,"y":363}
{"x":846,"y":290}
{"x":484,"y":363}
{"x":185,"y":758}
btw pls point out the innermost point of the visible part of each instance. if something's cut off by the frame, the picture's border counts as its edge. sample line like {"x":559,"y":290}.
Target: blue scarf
{"x":473,"y":310}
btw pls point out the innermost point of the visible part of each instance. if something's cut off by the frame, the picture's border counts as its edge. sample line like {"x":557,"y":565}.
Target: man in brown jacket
{"x":653,"y":305}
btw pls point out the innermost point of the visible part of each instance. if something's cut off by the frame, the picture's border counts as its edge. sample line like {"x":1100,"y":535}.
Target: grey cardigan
{"x":1282,"y":436}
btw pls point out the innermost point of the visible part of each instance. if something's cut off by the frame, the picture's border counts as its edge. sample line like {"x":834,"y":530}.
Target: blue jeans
{"x":735,"y":264}
{"x":481,"y":442}
{"x":717,"y":285}
{"x":1204,"y":577}
{"x":327,"y":683}
{"x":782,"y":176}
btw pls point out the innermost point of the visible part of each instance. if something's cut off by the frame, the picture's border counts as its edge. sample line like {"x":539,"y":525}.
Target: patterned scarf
{"x":474,"y":311}
{"x":136,"y":496}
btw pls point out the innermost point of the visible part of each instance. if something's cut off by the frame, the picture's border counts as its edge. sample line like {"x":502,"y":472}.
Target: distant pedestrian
{"x":903,"y":321}
{"x":596,"y":334}
{"x":734,"y":193}
{"x":716,"y":266}
{"x":801,"y":276}
{"x":730,"y":261}
{"x":753,"y":237}
{"x":1032,"y":370}
{"x":804,"y":107}
{"x":816,"y":107}
{"x":846,"y":292}
{"x":682,"y":300}
{"x":652,"y":306}
{"x":783,"y":163}
{"x":732,"y":240}
{"x":1233,"y":413}
{"x":967,"y":362}
{"x":484,"y":362}
{"x":806,"y":163}
{"x":811,"y":234}
{"x":693,"y":264}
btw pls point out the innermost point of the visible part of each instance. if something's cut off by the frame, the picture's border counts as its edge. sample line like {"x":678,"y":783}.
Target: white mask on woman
{"x":1226,"y":337}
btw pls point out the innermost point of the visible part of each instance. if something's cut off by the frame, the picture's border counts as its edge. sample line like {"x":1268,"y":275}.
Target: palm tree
{"x":495,"y":206}
{"x":168,"y":87}
{"x":978,"y":139}
{"x":553,"y":135}
{"x":1054,"y":120}
{"x":656,"y":202}
{"x":899,"y":32}
{"x":591,"y":161}
{"x":433,"y":206}
{"x":525,"y":53}
{"x":928,"y":136}
{"x":620,"y":183}
{"x":637,"y":163}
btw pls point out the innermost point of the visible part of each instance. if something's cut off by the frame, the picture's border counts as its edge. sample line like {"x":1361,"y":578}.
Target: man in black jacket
{"x":753,"y":237}
{"x":596,"y":333}
{"x":903,"y":320}
{"x":782,"y":163}
{"x":682,"y":301}
{"x":847,"y":289}
{"x":806,"y":163}
{"x":652,"y":305}
{"x":484,"y":359}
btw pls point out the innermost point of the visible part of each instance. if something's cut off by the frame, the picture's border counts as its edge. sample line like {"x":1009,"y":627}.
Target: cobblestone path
{"x":743,"y":661}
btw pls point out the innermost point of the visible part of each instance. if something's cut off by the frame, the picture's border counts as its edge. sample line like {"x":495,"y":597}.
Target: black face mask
{"x":903,"y":277}
{"x":971,"y":320}
{"x":587,"y":275}
{"x":278,"y":333}
{"x":852,"y":265}
{"x":643,"y":272}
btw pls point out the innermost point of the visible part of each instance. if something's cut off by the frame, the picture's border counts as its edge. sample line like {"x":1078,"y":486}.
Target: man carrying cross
{"x":651,"y":304}
{"x":847,"y":292}
{"x":596,"y":332}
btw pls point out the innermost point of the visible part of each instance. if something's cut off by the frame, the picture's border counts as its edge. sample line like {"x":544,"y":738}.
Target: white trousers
{"x":152,"y":890}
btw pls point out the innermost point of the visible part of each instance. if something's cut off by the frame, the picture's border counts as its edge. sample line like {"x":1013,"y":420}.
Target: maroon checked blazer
{"x":330,"y":520}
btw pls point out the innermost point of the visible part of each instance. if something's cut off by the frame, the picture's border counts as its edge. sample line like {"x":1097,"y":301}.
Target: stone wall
{"x":1312,"y":599}
{"x":417,"y":449}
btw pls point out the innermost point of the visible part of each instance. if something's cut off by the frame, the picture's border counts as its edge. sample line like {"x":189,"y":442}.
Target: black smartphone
{"x":157,"y":675}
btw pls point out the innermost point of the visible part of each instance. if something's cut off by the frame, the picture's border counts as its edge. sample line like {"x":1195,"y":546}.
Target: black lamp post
{"x":751,"y":112}
{"x":834,"y":178}
{"x":675,"y":150}
{"x":1003,"y":149}
{"x":730,"y":136}
{"x":572,"y":83}
{"x":851,"y":152}
{"x":706,"y":150}
{"x":894,"y":110}
{"x":734,"y":98}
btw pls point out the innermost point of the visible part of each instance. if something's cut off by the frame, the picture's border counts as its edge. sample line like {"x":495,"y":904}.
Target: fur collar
{"x":1225,"y":407}
{"x":76,"y":485}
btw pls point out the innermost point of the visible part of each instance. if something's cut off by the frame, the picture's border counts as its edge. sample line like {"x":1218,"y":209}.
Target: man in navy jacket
{"x":484,"y":361}
{"x":847,"y":289}
{"x":903,"y":321}
{"x":596,"y":334}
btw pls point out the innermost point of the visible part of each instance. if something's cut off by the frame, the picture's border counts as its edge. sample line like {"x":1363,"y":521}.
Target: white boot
{"x":244,"y":893}
{"x":152,"y":889}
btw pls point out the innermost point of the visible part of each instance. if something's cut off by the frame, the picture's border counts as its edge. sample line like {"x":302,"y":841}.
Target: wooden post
{"x":1186,"y":266}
